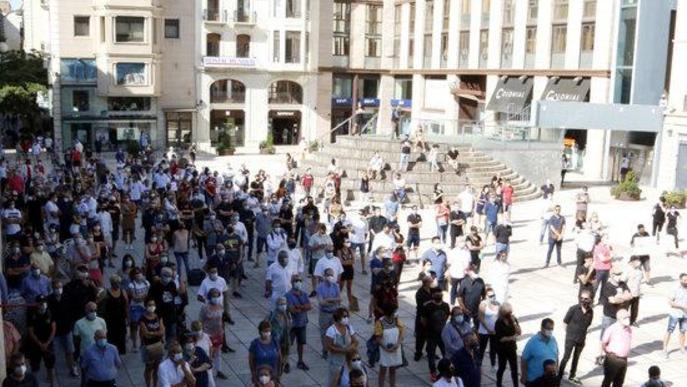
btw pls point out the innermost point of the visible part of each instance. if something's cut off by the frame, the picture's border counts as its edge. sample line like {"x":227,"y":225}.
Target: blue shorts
{"x":298,"y":335}
{"x":413,"y":240}
{"x":673,"y":322}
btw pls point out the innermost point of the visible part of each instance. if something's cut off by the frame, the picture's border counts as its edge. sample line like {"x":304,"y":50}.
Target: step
{"x":386,"y":186}
{"x":357,"y":163}
{"x":412,"y":198}
{"x":383,"y":143}
{"x":350,"y":151}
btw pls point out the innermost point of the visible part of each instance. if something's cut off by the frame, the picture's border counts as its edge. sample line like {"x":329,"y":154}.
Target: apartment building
{"x":464,"y":66}
{"x":10,"y":27}
{"x":120,"y":70}
{"x":256,"y":73}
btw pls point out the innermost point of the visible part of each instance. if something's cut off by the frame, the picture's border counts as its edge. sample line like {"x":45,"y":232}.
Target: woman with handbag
{"x":389,"y":332}
{"x":152,"y":332}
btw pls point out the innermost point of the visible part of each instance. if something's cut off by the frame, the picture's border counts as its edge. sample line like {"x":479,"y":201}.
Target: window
{"x":102,"y":29}
{"x":82,"y":25}
{"x":293,"y":47}
{"x":403,"y":88}
{"x":447,"y":15}
{"x":508,"y":12}
{"x":397,"y":31}
{"x":212,"y":44}
{"x":626,"y":37}
{"x":307,"y":47}
{"x":486,"y":10}
{"x":131,"y":74}
{"x":172,"y":28}
{"x":276,"y":44}
{"x":243,"y":46}
{"x":342,"y":87}
{"x":78,"y":70}
{"x":122,"y":104}
{"x":531,"y":42}
{"x":444,"y":48}
{"x":285,"y":92}
{"x":80,"y":100}
{"x":369,"y":87}
{"x":341,"y":28}
{"x":483,"y":47}
{"x":429,"y":16}
{"x":293,"y":8}
{"x":560,"y":10}
{"x":411,"y":33}
{"x":558,"y":36}
{"x":532,"y":11}
{"x":429,"y":20}
{"x":129,"y":29}
{"x":465,"y":12}
{"x":227,"y":91}
{"x":373,"y":31}
{"x":587,"y":43}
{"x":464,"y":48}
{"x":506,"y":47}
{"x":589,"y":9}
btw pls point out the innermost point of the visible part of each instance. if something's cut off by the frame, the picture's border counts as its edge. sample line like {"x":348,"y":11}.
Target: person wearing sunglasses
{"x":578,"y":319}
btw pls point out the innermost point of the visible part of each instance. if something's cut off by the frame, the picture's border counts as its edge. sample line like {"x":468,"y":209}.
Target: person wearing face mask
{"x":452,"y":333}
{"x":329,"y":300}
{"x":488,"y":313}
{"x":329,"y":262}
{"x":578,"y":319}
{"x":164,"y":291}
{"x":175,"y":371}
{"x":466,"y":361}
{"x":137,"y":292}
{"x":318,"y":244}
{"x":296,"y":264}
{"x":615,"y":295}
{"x":154,"y":251}
{"x":42,"y":259}
{"x":41,"y":333}
{"x":84,"y":328}
{"x":114,"y":308}
{"x":436,"y":258}
{"x":152,"y":332}
{"x":353,"y":364}
{"x":281,"y":323}
{"x":471,"y":293}
{"x":35,"y":284}
{"x":211,"y":317}
{"x":388,"y":332}
{"x":540,"y":347}
{"x":199,"y":362}
{"x":277,"y":279}
{"x":298,"y":305}
{"x":434,"y":316}
{"x":446,"y":375}
{"x":266,"y":378}
{"x":616,"y":344}
{"x":18,"y":374}
{"x":276,"y":241}
{"x":339,"y":339}
{"x":264,"y":351}
{"x":212,"y":281}
{"x":17,"y":266}
{"x":507,"y":330}
{"x":100,"y":362}
{"x":129,"y":214}
{"x":60,"y":310}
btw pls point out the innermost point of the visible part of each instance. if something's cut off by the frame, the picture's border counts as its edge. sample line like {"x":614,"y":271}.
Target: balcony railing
{"x":245,"y":17}
{"x":285,"y":97}
{"x":215,"y":15}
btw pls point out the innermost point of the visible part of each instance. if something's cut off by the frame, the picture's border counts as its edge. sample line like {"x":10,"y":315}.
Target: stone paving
{"x":535,"y":293}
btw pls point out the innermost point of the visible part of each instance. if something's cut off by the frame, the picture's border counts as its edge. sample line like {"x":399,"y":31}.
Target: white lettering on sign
{"x":228,"y":61}
{"x":552,"y":95}
{"x":503,"y":93}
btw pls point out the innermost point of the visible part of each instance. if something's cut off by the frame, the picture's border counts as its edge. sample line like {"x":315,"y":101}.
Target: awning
{"x":567,"y":89}
{"x":511,"y":95}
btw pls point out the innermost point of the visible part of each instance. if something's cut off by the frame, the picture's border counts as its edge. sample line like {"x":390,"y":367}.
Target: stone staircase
{"x":352,"y":155}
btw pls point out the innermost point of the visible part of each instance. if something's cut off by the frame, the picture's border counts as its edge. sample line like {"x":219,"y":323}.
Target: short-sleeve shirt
{"x":679,"y":297}
{"x":208,"y":284}
{"x":436,"y":315}
{"x":299,"y":319}
{"x":536,"y":352}
{"x":326,"y":290}
{"x":280,"y":277}
{"x":85,"y":329}
{"x":438,"y":261}
{"x":557,"y":223}
{"x":328,"y":263}
{"x":609,"y":290}
{"x":414,"y":219}
{"x":41,"y":324}
{"x":169,"y":374}
{"x":264,"y":354}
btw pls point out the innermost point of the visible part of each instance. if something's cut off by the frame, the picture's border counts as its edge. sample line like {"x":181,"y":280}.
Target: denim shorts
{"x":673,"y":322}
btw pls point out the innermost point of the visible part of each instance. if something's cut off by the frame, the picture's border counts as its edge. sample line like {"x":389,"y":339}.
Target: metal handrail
{"x":372,"y":118}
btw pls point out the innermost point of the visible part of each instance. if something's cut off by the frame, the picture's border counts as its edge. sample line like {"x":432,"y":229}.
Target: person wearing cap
{"x":41,"y":333}
{"x":616,"y":343}
{"x":434,"y":316}
{"x":100,"y":362}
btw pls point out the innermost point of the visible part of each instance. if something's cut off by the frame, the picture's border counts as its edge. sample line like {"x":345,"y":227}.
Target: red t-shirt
{"x":307,"y":180}
{"x":507,"y":193}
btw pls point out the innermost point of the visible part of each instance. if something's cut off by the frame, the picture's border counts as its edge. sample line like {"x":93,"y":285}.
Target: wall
{"x":536,"y":165}
{"x":178,"y":66}
{"x":651,"y":48}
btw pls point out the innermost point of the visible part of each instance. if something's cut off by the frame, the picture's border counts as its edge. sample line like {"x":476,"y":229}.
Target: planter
{"x":267,"y":151}
{"x":226,"y":152}
{"x":628,"y":197}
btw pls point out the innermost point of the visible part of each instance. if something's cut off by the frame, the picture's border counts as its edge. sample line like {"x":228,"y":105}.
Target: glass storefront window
{"x":78,"y":70}
{"x":626,"y":36}
{"x":128,"y":104}
{"x":342,"y":87}
{"x":403,"y":88}
{"x":131,"y":74}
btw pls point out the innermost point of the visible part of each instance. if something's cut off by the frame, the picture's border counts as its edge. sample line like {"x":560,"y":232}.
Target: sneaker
{"x":221,"y":375}
{"x":287,"y":368}
{"x":75,"y":371}
{"x":635,"y":324}
{"x":417,"y":357}
{"x":302,"y":366}
{"x":574,"y":380}
{"x":325,"y":355}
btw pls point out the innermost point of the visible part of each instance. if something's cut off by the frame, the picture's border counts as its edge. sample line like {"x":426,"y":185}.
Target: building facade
{"x":10,"y":26}
{"x":119,"y":69}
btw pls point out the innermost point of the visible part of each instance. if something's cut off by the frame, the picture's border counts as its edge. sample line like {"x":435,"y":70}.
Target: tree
{"x":22,"y":76}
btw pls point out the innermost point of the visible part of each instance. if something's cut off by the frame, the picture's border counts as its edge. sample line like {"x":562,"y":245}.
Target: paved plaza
{"x":536,"y":293}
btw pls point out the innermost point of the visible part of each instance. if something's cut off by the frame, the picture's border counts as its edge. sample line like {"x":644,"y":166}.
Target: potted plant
{"x":225,"y":147}
{"x":313,"y":146}
{"x":627,"y":189}
{"x":676,"y":198}
{"x":267,"y":146}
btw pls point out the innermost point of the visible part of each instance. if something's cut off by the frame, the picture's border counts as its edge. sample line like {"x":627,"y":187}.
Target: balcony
{"x":222,"y":97}
{"x":229,"y":62}
{"x":246,"y":18}
{"x":211,"y":15}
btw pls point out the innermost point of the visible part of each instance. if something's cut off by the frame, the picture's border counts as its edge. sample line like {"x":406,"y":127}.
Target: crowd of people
{"x":75,"y":286}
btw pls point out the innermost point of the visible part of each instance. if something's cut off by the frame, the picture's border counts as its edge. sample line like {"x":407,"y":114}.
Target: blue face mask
{"x":459,"y":319}
{"x":101,"y":343}
{"x":91,"y":316}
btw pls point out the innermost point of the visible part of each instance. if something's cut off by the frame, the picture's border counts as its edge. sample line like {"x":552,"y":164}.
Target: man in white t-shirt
{"x":295,"y":264}
{"x":384,"y":239}
{"x":212,"y":281}
{"x":12,"y":218}
{"x":467,"y":202}
{"x":329,"y":261}
{"x":175,"y":370}
{"x":358,"y":237}
{"x":278,"y":279}
{"x":458,"y":260}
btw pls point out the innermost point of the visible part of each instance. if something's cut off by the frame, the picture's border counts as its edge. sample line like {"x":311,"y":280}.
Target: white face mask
{"x":344,"y":321}
{"x":358,"y":364}
{"x":264,"y":379}
{"x":330,"y":279}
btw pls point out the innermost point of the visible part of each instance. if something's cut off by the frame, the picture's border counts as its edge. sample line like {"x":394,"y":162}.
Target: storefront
{"x":230,"y":122}
{"x":179,"y":128}
{"x":285,"y":126}
{"x":512,"y":97}
{"x":109,"y":134}
{"x":470,"y":95}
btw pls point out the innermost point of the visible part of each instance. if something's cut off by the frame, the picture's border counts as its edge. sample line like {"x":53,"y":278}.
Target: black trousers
{"x":581,"y":255}
{"x":420,"y":337}
{"x":634,"y":309}
{"x":483,"y":341}
{"x":673,"y":231}
{"x":510,"y":357}
{"x":571,"y":348}
{"x":614,"y":371}
{"x":434,"y":341}
{"x":656,"y":227}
